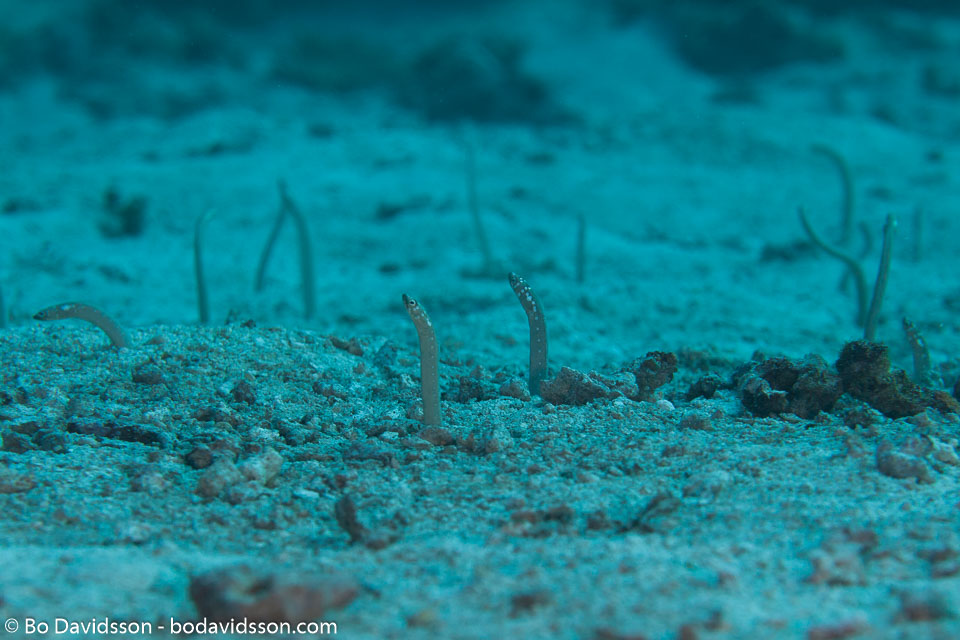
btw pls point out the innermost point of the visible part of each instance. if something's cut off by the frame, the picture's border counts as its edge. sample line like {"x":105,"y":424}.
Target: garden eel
{"x":880,"y":286}
{"x":90,"y":314}
{"x":538,"y":331}
{"x":429,"y":361}
{"x":853,"y":267}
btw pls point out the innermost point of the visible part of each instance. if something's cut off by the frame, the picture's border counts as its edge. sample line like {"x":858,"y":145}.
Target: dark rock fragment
{"x":772,"y":386}
{"x":705,"y":387}
{"x":575,"y":388}
{"x":866,"y":375}
{"x":761,"y":399}
{"x":240,"y":592}
{"x":652,"y":371}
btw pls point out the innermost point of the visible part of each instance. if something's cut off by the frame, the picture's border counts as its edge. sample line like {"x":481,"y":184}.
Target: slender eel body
{"x":846,"y":182}
{"x":880,"y":286}
{"x":538,"y":331}
{"x":80,"y":311}
{"x":203,"y":298}
{"x":429,"y":361}
{"x":854,"y":268}
{"x":307,"y":277}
